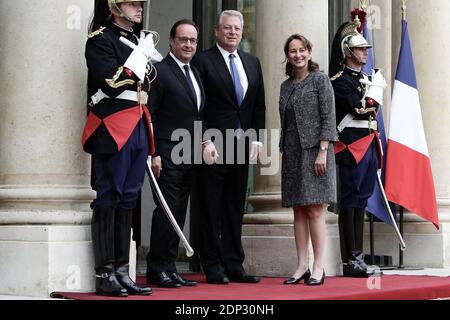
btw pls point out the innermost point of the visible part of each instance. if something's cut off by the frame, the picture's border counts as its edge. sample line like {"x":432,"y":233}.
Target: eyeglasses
{"x":184,"y":40}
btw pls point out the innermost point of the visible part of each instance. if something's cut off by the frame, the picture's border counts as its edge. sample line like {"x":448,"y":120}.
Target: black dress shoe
{"x":162,"y":280}
{"x":293,"y":280}
{"x":217,"y":278}
{"x":244,"y":278}
{"x":184,"y":282}
{"x":122,"y":274}
{"x":316,"y":282}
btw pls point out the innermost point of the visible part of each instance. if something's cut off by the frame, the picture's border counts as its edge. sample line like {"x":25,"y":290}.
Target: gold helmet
{"x":351,"y":38}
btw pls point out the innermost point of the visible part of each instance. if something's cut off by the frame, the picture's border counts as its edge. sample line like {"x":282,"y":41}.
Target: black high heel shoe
{"x":293,"y":280}
{"x":316,"y":282}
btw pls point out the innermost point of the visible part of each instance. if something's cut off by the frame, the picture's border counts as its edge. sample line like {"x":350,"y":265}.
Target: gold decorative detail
{"x":364,"y":110}
{"x":337,"y":75}
{"x":143,"y":98}
{"x":96,"y":32}
{"x":124,"y":33}
{"x":112,"y":82}
{"x":351,"y":29}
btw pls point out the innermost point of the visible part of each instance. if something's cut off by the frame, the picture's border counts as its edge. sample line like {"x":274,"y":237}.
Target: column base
{"x":37,"y":260}
{"x":426,"y":246}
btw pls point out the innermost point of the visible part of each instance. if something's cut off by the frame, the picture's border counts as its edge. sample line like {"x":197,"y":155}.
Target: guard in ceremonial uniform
{"x":358,"y":151}
{"x":118,"y":134}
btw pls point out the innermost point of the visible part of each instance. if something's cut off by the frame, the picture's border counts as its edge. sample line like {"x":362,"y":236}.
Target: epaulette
{"x":337,"y":75}
{"x":96,"y":32}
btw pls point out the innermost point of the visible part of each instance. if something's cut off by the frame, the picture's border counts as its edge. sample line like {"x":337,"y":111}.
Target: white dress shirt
{"x":239,"y":66}
{"x":191,"y":75}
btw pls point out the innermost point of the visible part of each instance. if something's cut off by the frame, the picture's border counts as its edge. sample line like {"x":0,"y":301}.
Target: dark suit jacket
{"x":172,"y":104}
{"x":348,"y":94}
{"x":221,"y":109}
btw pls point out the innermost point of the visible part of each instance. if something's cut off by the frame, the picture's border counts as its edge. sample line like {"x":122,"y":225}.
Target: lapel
{"x":181,"y":77}
{"x":224,"y":72}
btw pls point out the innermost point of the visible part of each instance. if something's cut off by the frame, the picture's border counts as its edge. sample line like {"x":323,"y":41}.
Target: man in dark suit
{"x":176,"y":101}
{"x":235,"y":99}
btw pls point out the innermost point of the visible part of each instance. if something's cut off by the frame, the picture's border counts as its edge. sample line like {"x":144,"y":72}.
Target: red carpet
{"x":335,"y":288}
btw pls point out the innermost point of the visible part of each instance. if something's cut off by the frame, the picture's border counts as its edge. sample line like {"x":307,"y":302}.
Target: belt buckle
{"x":143,"y":97}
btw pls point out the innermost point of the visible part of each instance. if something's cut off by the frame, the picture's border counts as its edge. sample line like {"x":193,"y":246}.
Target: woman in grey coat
{"x":308,"y":129}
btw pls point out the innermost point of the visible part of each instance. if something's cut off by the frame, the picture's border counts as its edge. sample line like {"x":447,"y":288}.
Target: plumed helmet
{"x":351,"y":38}
{"x":346,"y":39}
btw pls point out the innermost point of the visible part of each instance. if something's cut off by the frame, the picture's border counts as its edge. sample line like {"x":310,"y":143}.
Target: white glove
{"x":147,"y":46}
{"x":142,"y":55}
{"x":375,"y":87}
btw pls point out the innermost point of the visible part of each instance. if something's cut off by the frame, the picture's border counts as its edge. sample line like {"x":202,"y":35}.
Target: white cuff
{"x":206,"y":142}
{"x":137,"y":62}
{"x":259,"y":144}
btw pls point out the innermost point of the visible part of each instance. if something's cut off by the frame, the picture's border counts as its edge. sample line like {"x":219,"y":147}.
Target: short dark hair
{"x":173,"y":31}
{"x":312,"y":66}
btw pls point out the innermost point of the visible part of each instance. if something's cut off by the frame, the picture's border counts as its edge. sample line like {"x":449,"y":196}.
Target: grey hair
{"x":230,"y":13}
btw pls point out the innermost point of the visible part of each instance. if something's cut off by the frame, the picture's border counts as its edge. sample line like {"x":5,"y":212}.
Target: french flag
{"x":409,"y":180}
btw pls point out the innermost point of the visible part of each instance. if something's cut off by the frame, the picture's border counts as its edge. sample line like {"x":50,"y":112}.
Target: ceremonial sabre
{"x":391,"y":216}
{"x":162,"y":201}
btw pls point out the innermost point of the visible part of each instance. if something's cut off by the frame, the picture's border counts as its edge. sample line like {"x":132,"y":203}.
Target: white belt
{"x":349,"y":122}
{"x":126,"y":95}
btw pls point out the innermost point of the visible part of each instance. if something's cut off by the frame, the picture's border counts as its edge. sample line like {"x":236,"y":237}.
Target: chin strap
{"x":121,"y":14}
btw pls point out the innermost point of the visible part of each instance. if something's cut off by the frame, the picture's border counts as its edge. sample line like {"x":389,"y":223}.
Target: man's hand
{"x":156,"y":166}
{"x":210,"y":154}
{"x":255,"y":151}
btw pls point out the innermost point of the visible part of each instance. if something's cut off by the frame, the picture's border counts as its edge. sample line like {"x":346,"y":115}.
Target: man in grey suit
{"x":234,"y":90}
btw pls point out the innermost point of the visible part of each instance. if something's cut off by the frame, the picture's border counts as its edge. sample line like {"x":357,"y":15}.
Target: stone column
{"x":427,"y":25}
{"x":268,"y":232}
{"x":44,"y":173}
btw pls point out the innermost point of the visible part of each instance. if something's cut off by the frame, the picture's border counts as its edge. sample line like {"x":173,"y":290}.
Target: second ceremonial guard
{"x":358,"y":151}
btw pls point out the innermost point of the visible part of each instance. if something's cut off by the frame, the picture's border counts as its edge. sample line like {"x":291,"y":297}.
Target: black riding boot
{"x":351,"y":267}
{"x":122,"y":251}
{"x":102,"y":228}
{"x":359,"y":239}
{"x":346,"y":233}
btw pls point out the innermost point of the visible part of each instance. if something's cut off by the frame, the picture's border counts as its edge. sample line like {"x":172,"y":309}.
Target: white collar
{"x":225,"y":53}
{"x":180,"y":64}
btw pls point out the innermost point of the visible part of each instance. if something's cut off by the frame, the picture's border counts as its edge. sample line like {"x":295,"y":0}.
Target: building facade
{"x":45,"y":176}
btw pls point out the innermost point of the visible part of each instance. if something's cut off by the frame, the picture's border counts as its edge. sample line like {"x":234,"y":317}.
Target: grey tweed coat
{"x":312,"y":104}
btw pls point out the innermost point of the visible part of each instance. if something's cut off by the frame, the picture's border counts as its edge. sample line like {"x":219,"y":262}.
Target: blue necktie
{"x":236,"y":81}
{"x":190,"y":84}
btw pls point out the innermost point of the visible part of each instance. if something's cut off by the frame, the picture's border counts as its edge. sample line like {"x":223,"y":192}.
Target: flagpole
{"x":400,"y":256}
